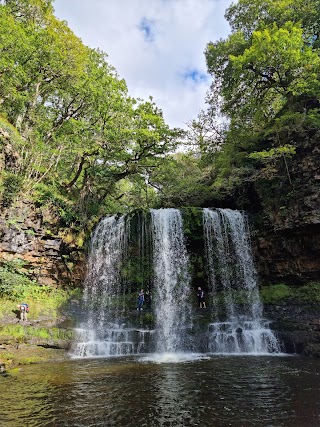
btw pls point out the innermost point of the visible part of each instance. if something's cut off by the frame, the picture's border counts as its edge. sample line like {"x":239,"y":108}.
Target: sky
{"x":157,"y":46}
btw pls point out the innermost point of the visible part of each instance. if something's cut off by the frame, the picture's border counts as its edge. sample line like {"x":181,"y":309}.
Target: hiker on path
{"x":24,"y":309}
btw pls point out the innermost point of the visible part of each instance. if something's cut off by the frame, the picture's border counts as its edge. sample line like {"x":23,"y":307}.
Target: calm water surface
{"x":214,"y":392}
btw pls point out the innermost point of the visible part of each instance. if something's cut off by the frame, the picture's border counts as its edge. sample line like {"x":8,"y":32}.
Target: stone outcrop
{"x":23,"y":345}
{"x":288,"y":256}
{"x":38,"y":335}
{"x":297,"y":325}
{"x":286,"y":244}
{"x":32,"y":235}
{"x":286,"y":227}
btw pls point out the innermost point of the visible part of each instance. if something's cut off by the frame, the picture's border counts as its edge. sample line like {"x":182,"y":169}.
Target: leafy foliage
{"x":180,"y":181}
{"x":81,"y":131}
{"x":11,"y":184}
{"x":270,"y":59}
{"x":265,"y":94}
{"x":275,"y":294}
{"x":15,"y":284}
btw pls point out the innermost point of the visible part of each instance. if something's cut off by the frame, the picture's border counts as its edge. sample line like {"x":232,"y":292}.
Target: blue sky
{"x":155,"y":45}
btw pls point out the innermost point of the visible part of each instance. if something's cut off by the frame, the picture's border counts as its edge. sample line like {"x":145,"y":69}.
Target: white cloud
{"x":155,"y":45}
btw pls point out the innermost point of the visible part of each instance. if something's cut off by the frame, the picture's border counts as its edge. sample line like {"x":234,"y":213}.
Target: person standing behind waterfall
{"x":140,"y":300}
{"x":200,"y":295}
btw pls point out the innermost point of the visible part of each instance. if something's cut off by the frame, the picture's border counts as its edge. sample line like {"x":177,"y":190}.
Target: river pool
{"x":215,"y":391}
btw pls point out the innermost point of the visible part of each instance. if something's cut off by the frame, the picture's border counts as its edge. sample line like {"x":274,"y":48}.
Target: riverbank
{"x":14,"y":357}
{"x":31,"y":342}
{"x":46,"y":335}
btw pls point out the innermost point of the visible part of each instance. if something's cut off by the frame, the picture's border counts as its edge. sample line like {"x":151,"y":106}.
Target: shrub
{"x":45,"y":195}
{"x":309,"y":292}
{"x":273,"y":294}
{"x":14,"y":285}
{"x":11,"y":185}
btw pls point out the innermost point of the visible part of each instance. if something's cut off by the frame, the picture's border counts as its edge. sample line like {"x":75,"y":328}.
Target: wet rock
{"x":288,"y":255}
{"x":297,"y":327}
{"x":312,"y":350}
{"x":23,"y":235}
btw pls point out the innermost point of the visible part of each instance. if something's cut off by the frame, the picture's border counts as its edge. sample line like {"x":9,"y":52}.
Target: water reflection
{"x":216,"y":392}
{"x":213,"y":395}
{"x":173,"y":406}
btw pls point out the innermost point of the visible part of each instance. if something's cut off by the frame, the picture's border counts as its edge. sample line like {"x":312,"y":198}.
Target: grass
{"x":21,"y":333}
{"x":46,"y":302}
{"x":277,"y":293}
{"x":308,"y":293}
{"x":25,"y":354}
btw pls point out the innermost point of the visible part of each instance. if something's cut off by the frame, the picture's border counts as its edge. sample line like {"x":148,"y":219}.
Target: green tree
{"x":267,"y":67}
{"x":266,"y":82}
{"x":267,"y":62}
{"x":82,"y":133}
{"x":206,"y":133}
{"x":181,"y":180}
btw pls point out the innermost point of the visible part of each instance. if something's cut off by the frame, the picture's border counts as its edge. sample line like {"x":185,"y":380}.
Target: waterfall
{"x":103,"y":290}
{"x":171,"y":281}
{"x":103,"y":331}
{"x":232,"y":279}
{"x":149,"y":251}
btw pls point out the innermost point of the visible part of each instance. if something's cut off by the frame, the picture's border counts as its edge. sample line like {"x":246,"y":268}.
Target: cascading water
{"x":171,"y":282}
{"x":149,"y":251}
{"x":102,"y":332}
{"x":233,"y":282}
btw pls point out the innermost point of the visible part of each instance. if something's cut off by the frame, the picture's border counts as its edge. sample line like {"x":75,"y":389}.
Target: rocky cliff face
{"x":286,"y":242}
{"x":297,"y":326}
{"x":289,"y":255}
{"x":32,"y":235}
{"x":286,"y":231}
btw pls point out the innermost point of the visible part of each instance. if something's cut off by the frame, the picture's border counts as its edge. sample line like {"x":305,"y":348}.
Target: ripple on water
{"x":173,"y":357}
{"x":185,"y":390}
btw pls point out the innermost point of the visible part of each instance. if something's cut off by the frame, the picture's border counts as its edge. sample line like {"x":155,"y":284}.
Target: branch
{"x":81,"y":164}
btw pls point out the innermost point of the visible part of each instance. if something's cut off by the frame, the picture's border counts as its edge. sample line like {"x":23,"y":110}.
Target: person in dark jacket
{"x":140,"y":300}
{"x":200,"y":295}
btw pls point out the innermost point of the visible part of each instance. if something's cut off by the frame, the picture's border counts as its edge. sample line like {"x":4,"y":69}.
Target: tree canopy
{"x":81,"y":131}
{"x":72,"y":137}
{"x":264,"y":102}
{"x":266,"y":83}
{"x":269,"y":61}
